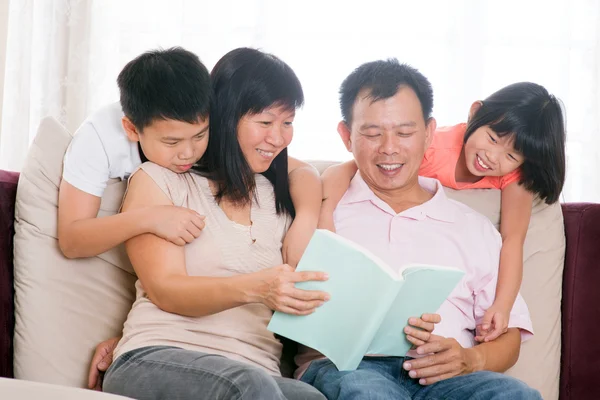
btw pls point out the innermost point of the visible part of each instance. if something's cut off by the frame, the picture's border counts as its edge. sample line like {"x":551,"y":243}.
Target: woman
{"x":198,"y":326}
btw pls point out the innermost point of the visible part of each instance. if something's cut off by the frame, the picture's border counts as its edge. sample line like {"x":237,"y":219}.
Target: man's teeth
{"x":265,"y":153}
{"x":390,"y":167}
{"x":481,"y":163}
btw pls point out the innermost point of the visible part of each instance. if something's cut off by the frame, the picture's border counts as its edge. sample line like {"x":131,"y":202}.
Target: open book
{"x":370,"y":303}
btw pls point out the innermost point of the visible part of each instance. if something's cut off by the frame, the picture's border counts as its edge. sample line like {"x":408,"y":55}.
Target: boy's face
{"x":172,"y":144}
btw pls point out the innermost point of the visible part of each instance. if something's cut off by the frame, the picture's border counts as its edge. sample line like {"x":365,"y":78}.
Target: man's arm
{"x":306,"y":193}
{"x":447,"y":358}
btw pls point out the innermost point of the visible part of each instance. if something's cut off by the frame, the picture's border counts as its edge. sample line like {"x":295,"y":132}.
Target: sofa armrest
{"x":580,"y":365}
{"x":8,"y":191}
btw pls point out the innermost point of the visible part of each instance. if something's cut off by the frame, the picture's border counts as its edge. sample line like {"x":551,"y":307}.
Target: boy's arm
{"x":306,"y":193}
{"x":81,"y":234}
{"x":336,"y":180}
{"x":514,"y":221}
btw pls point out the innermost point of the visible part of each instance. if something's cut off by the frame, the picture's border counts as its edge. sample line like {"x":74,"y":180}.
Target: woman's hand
{"x":274,"y":287}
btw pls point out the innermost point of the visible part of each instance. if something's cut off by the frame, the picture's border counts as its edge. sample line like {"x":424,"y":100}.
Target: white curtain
{"x":63,"y":58}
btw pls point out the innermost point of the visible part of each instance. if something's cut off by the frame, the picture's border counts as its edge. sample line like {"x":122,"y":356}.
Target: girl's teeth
{"x":481,"y":163}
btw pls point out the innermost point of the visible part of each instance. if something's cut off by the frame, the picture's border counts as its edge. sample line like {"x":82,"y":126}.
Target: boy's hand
{"x":494,"y":324}
{"x":179,"y":225}
{"x":296,"y":240}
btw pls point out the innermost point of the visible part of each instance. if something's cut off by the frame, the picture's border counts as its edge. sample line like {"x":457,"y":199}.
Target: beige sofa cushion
{"x":63,"y":308}
{"x":544,"y":252}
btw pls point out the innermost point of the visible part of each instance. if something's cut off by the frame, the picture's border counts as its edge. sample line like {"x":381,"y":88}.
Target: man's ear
{"x":130,"y":129}
{"x":430,"y":131}
{"x":345,"y":135}
{"x":474,"y":108}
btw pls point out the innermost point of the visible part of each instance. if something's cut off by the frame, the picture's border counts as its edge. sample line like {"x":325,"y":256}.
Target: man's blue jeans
{"x":384,"y":378}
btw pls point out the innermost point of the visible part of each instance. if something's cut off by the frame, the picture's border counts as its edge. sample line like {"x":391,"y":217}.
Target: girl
{"x":513,"y":141}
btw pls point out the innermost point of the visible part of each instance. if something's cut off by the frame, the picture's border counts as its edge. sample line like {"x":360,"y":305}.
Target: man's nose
{"x":389,"y":145}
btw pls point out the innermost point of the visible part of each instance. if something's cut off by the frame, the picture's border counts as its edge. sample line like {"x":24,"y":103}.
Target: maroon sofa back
{"x":580,"y":364}
{"x":8,"y":191}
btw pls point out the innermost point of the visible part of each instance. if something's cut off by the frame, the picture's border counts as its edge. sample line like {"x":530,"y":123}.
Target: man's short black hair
{"x":383,"y":79}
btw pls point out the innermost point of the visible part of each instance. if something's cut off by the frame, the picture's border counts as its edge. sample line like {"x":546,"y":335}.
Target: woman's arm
{"x":336,"y":180}
{"x":514,"y":221}
{"x":160,"y":266}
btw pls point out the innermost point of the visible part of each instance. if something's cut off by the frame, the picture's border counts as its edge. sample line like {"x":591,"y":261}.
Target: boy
{"x":163,"y":117}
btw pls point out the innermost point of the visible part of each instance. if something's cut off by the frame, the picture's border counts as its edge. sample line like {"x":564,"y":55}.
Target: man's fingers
{"x":433,"y":346}
{"x":434,"y":379}
{"x":416,"y":342}
{"x":417,"y":333}
{"x":433,"y":318}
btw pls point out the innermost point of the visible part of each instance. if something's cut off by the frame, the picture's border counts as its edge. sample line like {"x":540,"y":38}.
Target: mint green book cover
{"x":370,"y":303}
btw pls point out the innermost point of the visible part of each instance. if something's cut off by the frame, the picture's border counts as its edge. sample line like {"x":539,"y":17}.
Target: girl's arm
{"x":514,"y":221}
{"x":336,"y":180}
{"x":160,"y":266}
{"x":306,"y":193}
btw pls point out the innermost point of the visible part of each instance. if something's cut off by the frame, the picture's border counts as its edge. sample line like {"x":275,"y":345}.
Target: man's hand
{"x":418,"y":331}
{"x":100,"y":362}
{"x":446,"y":359}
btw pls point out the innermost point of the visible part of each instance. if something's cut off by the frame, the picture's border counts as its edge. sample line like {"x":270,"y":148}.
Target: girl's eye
{"x":170,"y":143}
{"x":265,"y":123}
{"x":491,"y":138}
{"x":512,"y":158}
{"x":289,"y":123}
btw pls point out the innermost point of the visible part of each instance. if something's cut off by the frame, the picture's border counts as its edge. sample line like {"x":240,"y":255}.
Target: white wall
{"x":3,"y":32}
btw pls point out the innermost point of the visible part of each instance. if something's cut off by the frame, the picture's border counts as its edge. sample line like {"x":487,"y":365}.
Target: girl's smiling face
{"x":488,"y":154}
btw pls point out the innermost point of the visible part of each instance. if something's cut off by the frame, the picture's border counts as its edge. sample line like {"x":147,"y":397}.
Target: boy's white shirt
{"x":99,"y":151}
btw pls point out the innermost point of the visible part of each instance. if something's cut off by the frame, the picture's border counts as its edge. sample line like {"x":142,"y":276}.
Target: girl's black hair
{"x":247,"y":81}
{"x":535,"y":119}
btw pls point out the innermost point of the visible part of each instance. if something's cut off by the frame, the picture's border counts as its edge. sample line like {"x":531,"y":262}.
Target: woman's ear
{"x":474,"y":108}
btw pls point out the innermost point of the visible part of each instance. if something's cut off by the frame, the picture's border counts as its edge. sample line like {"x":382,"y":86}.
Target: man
{"x":403,"y":218}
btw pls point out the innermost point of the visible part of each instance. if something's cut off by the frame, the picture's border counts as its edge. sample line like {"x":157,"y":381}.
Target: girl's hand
{"x":494,"y":324}
{"x":274,"y":287}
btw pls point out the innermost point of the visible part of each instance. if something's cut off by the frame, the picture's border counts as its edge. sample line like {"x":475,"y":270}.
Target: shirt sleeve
{"x":86,"y":165}
{"x":485,"y":293}
{"x":506,"y":180}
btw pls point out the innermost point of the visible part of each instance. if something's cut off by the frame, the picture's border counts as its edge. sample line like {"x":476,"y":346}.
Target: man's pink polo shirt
{"x":440,"y":231}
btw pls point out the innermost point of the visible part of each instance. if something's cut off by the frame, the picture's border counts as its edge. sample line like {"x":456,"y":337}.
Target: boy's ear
{"x":130,"y":129}
{"x":474,"y":108}
{"x":345,"y":135}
